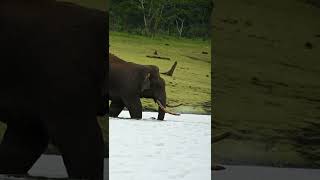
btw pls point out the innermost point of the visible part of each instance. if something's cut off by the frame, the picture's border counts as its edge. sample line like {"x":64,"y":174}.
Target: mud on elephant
{"x":128,"y":82}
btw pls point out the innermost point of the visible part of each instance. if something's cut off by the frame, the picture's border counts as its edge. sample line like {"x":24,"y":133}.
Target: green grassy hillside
{"x":266,"y":82}
{"x":190,"y":83}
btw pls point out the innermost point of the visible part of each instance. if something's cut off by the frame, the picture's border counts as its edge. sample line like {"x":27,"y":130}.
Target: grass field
{"x":266,"y":85}
{"x":191,"y":81}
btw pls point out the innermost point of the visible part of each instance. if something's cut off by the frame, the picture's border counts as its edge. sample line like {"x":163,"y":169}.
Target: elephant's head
{"x":154,"y":87}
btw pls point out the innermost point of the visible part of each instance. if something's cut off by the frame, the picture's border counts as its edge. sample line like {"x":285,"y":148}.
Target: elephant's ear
{"x":146,"y":82}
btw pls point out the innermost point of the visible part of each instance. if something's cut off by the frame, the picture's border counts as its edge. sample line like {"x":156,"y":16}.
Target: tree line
{"x":182,"y":18}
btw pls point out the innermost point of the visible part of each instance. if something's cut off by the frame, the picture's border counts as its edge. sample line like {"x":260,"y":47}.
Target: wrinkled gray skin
{"x":129,"y":82}
{"x":52,"y":73}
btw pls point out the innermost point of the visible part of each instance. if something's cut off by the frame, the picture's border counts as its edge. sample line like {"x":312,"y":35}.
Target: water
{"x":175,"y":149}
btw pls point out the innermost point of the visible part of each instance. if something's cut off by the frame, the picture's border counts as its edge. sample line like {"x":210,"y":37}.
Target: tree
{"x":179,"y":24}
{"x":152,"y":14}
{"x":183,"y":18}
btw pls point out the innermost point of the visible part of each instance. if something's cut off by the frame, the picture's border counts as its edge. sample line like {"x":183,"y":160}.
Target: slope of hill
{"x":266,"y":84}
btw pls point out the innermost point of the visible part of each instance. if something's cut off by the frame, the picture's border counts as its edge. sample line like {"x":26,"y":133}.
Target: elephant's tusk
{"x":165,"y":110}
{"x":172,"y":106}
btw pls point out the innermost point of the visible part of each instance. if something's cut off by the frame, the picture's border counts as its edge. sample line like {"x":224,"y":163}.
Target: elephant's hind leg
{"x":115,"y":108}
{"x":21,"y":146}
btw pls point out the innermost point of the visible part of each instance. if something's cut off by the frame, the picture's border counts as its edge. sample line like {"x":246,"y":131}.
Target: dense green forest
{"x":182,"y":18}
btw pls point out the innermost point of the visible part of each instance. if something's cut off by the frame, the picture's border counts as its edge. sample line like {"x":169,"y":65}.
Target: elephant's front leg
{"x":115,"y":108}
{"x":134,"y":106}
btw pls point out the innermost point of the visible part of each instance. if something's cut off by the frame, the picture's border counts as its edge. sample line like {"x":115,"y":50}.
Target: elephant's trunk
{"x":161,"y":111}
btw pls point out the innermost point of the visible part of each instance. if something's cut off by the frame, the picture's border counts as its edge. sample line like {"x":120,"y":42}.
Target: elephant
{"x":53,"y":71}
{"x":129,"y":82}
